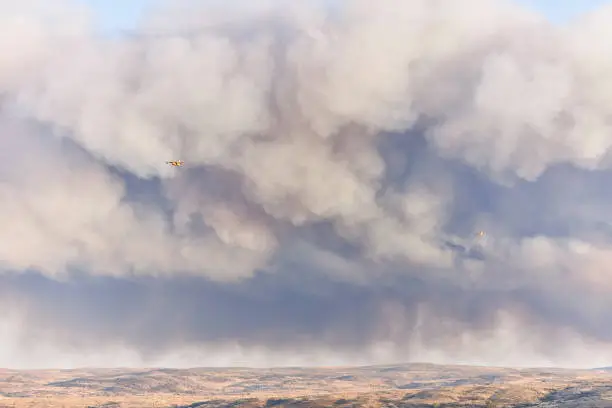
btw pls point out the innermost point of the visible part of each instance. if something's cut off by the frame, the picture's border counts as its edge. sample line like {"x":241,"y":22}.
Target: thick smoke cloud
{"x":340,"y":160}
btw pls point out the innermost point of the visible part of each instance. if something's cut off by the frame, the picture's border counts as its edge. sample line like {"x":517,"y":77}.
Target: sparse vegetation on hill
{"x":409,"y":386}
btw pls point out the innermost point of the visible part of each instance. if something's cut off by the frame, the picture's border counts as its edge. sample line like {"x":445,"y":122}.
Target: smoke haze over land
{"x":340,"y":158}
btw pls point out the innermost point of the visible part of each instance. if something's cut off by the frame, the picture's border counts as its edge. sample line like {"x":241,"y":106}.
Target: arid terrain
{"x":409,"y":385}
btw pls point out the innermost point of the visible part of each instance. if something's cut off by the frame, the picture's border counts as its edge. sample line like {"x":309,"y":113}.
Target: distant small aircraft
{"x":175,"y":163}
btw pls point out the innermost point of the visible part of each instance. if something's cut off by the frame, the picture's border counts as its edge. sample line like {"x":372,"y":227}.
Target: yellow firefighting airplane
{"x":175,"y":163}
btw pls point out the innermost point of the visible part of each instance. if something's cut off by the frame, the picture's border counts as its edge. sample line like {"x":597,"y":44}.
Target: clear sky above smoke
{"x":117,"y":15}
{"x":339,"y":164}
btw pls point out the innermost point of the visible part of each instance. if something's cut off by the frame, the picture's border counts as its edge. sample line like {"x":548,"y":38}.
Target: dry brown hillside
{"x":412,"y":385}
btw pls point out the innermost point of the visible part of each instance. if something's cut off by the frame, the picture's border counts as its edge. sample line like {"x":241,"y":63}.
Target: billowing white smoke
{"x":280,"y":111}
